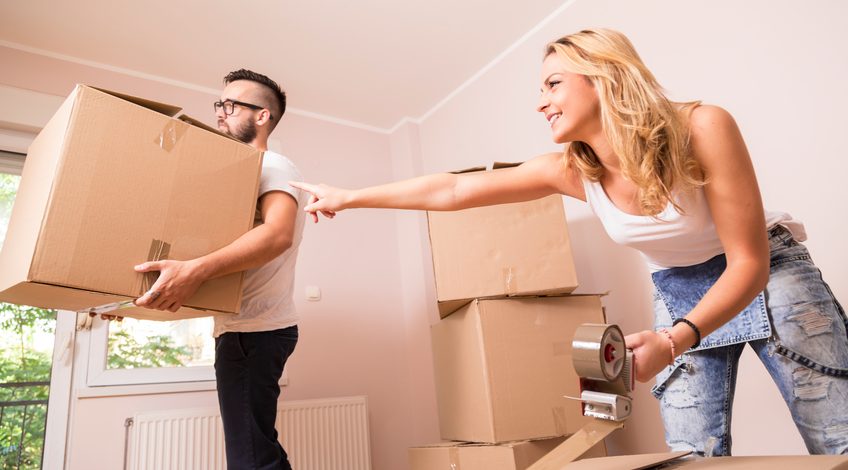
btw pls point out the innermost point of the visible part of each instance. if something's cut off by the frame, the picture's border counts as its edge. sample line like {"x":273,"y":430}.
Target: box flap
{"x":578,"y":444}
{"x":196,"y":123}
{"x":515,"y":455}
{"x":53,"y":297}
{"x":162,"y":108}
{"x":634,"y":462}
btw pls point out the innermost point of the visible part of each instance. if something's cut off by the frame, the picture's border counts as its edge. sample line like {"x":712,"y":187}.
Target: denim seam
{"x":710,"y":344}
{"x":787,"y":259}
{"x":839,"y":309}
{"x":727,"y":402}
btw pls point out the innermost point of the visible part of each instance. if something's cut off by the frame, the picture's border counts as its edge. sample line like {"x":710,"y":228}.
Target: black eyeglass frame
{"x":232,"y":103}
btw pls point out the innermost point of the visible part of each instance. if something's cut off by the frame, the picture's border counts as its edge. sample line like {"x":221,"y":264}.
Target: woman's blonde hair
{"x":647,"y":131}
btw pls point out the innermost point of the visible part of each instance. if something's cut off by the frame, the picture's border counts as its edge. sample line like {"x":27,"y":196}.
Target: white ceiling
{"x":369,"y":61}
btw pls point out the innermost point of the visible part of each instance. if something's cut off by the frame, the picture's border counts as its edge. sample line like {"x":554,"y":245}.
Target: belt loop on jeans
{"x":779,"y":231}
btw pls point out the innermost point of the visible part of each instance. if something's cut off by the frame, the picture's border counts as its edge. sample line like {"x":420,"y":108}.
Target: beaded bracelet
{"x":694,"y":328}
{"x":670,"y":342}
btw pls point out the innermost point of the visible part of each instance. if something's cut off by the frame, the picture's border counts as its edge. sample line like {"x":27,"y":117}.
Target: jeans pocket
{"x":286,"y":339}
{"x":228,"y":347}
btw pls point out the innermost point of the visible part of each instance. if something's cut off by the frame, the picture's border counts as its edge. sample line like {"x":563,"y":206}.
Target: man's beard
{"x":245,"y":132}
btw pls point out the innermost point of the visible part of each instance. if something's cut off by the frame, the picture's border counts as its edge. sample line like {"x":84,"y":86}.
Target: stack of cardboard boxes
{"x":502,"y":349}
{"x":114,"y":180}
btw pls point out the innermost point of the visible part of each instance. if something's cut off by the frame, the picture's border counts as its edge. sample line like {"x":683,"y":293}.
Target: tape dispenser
{"x":605,"y":367}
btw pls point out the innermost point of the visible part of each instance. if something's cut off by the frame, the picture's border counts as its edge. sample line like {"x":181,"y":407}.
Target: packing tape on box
{"x":171,"y":134}
{"x":560,"y":420}
{"x":159,"y":250}
{"x":453,"y":456}
{"x":576,"y":445}
{"x":510,"y":282}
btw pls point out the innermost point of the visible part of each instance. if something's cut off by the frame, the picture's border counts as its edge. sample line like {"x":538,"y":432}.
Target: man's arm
{"x":179,"y":280}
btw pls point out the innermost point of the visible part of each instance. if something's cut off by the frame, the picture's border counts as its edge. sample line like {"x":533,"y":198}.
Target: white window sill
{"x":152,"y":389}
{"x":144,"y":389}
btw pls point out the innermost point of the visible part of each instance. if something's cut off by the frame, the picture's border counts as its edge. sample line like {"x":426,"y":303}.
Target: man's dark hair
{"x":277,"y":93}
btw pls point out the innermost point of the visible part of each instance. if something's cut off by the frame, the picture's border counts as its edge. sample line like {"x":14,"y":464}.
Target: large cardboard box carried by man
{"x":112,"y":181}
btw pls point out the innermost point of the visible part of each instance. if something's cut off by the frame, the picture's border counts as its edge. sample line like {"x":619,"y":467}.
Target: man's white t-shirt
{"x":267,"y":291}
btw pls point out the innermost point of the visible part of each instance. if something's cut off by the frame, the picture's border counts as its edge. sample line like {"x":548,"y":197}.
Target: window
{"x":133,"y":352}
{"x":10,"y":171}
{"x":26,"y":350}
{"x":136,"y":344}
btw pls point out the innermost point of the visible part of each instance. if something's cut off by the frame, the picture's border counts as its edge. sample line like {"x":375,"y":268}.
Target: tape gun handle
{"x":629,"y":371}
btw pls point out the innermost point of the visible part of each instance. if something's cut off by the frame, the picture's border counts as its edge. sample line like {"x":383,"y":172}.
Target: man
{"x":251,"y":348}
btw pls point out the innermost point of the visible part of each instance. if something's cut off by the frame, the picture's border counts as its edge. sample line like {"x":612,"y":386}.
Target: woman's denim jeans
{"x":806,"y":355}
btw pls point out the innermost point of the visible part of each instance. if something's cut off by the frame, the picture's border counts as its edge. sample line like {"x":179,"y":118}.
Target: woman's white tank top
{"x":672,"y":239}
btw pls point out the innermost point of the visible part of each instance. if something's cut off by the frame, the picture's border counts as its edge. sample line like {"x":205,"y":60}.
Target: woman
{"x":675,"y":181}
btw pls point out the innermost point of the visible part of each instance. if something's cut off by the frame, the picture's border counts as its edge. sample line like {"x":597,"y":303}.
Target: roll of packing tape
{"x":598,"y":351}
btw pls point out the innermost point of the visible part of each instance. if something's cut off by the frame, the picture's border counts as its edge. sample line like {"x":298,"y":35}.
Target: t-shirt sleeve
{"x":277,"y":171}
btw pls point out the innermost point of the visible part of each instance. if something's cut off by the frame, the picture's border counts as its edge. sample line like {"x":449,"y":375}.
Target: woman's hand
{"x":324,"y":199}
{"x":651,"y":353}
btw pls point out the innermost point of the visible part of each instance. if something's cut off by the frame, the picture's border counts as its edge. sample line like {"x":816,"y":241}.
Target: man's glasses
{"x":230,"y":105}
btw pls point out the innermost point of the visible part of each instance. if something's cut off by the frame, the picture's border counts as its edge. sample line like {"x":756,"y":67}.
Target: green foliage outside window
{"x":125,"y":352}
{"x":22,"y":425}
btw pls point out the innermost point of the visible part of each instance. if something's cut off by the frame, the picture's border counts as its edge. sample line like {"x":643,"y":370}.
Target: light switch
{"x":313,"y":293}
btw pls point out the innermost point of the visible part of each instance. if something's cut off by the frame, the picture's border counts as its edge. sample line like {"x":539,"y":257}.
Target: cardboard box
{"x":474,"y":456}
{"x":687,"y":462}
{"x":495,"y":251}
{"x":113,"y":181}
{"x":503,"y":368}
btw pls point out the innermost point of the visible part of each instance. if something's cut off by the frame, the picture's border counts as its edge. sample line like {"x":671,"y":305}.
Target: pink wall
{"x":363,"y":338}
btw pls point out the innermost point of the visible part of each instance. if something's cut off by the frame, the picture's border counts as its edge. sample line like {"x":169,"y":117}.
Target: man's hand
{"x":106,"y":316}
{"x":178,"y":280}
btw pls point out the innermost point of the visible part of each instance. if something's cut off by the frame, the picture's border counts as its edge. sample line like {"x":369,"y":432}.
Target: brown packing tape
{"x":159,"y":250}
{"x":510,"y":282}
{"x":171,"y":134}
{"x":560,"y":420}
{"x":576,"y":445}
{"x":453,"y":456}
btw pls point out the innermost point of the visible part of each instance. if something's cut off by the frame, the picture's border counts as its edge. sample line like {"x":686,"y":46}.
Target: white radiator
{"x":325,"y":434}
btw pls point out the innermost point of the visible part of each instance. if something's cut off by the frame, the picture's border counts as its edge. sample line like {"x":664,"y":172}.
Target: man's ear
{"x":263,"y":117}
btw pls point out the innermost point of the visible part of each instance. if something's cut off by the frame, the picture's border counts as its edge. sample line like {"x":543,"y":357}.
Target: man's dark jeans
{"x":248,"y":367}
